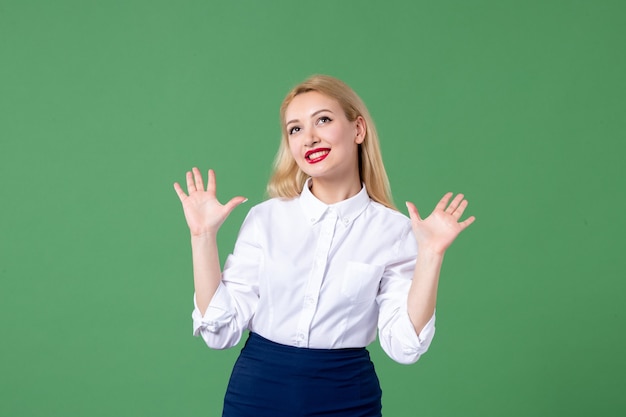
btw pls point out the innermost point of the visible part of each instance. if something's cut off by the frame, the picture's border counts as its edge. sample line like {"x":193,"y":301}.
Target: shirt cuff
{"x":219,"y":313}
{"x":413,"y":345}
{"x":427,"y":333}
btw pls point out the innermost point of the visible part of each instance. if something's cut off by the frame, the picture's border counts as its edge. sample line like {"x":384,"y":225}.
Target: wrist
{"x":203,"y":236}
{"x":425,"y":251}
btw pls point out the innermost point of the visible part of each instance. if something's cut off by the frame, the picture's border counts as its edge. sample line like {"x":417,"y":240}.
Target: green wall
{"x":104,"y":104}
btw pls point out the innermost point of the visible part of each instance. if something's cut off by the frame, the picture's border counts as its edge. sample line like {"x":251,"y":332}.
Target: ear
{"x":361,"y":130}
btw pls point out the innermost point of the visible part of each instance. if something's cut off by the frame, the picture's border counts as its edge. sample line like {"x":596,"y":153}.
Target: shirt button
{"x":346,"y":221}
{"x":312,"y":220}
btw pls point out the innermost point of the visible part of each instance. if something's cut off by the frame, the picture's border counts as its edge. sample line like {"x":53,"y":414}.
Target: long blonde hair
{"x":287,"y":179}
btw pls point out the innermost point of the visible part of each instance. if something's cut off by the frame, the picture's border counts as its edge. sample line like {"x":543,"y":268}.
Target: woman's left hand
{"x":437,"y":231}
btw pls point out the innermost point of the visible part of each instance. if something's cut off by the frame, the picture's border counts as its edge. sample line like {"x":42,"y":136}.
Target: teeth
{"x":317,"y":154}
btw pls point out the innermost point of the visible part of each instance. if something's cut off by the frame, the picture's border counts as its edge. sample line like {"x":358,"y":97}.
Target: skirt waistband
{"x":270,"y":346}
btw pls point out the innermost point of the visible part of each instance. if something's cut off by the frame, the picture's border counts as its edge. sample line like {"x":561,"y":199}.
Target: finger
{"x":179,"y":191}
{"x":441,"y":205}
{"x":191,"y":186}
{"x":197,"y":175}
{"x":234,"y":202}
{"x":455,"y":203}
{"x":467,"y":222}
{"x":460,"y":209}
{"x":413,"y":213}
{"x":211,"y":184}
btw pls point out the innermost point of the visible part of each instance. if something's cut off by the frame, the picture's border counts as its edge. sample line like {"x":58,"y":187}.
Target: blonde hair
{"x":287,"y":179}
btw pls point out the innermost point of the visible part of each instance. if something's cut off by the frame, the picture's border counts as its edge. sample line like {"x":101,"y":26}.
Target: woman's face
{"x":323,"y":142}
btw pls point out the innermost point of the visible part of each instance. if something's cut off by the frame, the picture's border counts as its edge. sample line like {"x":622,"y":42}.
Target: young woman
{"x":318,"y":268}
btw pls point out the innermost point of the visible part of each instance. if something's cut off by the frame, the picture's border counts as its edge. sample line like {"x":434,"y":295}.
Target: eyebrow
{"x":312,"y":115}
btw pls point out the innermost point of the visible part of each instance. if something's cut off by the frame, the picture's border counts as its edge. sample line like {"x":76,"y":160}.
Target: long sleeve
{"x":236,"y":298}
{"x":396,"y":332}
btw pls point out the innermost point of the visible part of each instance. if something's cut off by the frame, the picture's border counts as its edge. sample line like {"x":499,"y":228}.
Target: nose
{"x":311,"y":139}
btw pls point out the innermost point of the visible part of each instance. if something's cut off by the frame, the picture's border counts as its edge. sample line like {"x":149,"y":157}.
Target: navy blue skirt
{"x":274,"y":380}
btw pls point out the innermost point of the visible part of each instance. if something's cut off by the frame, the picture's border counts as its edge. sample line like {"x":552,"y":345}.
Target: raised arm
{"x":434,"y":235}
{"x":204,"y":215}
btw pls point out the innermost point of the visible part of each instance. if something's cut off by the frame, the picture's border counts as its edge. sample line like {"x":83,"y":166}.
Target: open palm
{"x":203,"y":212}
{"x":437,"y":231}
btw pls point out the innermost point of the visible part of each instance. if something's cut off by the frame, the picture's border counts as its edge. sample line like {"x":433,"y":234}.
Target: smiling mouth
{"x":316,"y":155}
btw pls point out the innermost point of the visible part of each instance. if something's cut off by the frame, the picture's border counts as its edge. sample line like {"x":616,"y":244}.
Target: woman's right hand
{"x":204,"y":214}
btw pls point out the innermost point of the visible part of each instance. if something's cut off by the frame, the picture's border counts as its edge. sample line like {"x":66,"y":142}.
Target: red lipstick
{"x":316,"y":155}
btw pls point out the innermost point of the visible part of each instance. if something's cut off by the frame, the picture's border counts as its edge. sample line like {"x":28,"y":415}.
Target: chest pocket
{"x":361,"y":281}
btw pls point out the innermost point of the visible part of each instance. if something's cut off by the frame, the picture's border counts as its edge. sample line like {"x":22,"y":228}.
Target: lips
{"x":316,"y":155}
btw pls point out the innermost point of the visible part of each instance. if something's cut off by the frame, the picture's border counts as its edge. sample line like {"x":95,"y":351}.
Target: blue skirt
{"x":274,"y":380}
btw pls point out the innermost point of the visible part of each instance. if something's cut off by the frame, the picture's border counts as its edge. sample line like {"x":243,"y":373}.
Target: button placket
{"x":316,"y":277}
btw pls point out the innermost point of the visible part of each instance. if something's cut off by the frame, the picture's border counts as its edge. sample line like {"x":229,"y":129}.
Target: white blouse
{"x":307,"y":274}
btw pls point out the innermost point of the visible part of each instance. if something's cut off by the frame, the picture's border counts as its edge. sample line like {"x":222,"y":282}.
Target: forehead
{"x":305,"y":104}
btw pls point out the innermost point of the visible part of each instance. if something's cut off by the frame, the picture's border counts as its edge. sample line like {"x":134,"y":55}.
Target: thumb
{"x":234,"y":202}
{"x":413,"y":213}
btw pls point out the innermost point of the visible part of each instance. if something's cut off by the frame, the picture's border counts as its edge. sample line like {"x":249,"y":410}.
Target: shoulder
{"x":387,"y":217}
{"x":384,"y":221}
{"x":275,"y":203}
{"x":264,"y":217}
{"x":392,"y":227}
{"x":273,"y":207}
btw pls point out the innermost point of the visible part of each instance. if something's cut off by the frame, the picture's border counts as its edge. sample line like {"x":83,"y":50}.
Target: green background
{"x":103,"y":105}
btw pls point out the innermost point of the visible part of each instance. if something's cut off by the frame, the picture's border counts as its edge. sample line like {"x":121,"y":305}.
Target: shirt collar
{"x":347,"y":210}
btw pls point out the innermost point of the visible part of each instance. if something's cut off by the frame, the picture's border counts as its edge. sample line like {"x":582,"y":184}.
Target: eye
{"x":323,"y":120}
{"x":293,"y":130}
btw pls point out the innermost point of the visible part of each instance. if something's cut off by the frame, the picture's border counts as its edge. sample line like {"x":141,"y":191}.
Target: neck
{"x":332,"y":192}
